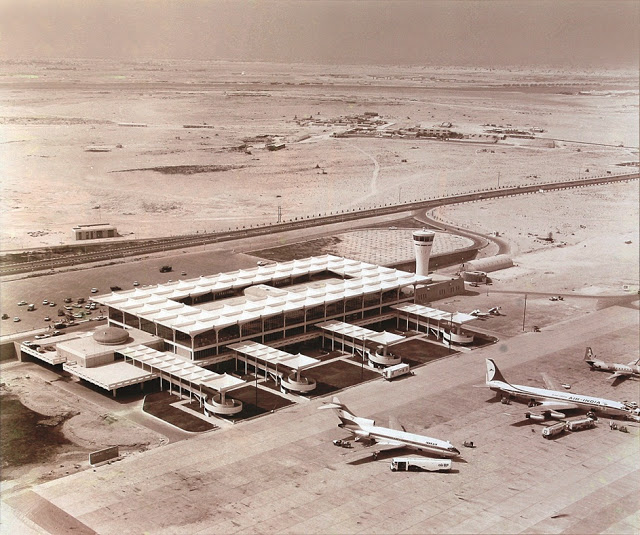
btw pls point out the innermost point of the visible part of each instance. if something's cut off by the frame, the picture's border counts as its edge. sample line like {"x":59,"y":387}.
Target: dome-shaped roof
{"x":111,"y":336}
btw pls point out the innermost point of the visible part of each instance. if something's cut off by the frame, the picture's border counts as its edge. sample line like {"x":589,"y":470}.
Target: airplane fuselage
{"x":620,"y":369}
{"x":364,"y":428}
{"x":541,"y":395}
{"x":413,"y":441}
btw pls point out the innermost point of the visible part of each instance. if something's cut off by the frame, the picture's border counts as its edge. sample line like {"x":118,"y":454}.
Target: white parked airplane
{"x":364,"y":429}
{"x":478,"y":314}
{"x":545,"y":403}
{"x":619,"y":370}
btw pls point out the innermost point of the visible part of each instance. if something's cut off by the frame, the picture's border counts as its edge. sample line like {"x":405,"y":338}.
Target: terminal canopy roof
{"x":177,"y":367}
{"x":159,"y":303}
{"x":275,"y":356}
{"x":359,"y":333}
{"x":457,"y":318}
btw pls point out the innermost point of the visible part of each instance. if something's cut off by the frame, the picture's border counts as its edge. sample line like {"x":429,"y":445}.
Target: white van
{"x":416,"y":464}
{"x":395,"y":371}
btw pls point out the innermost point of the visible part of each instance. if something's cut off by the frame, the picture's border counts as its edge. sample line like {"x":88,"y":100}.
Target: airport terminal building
{"x":274,"y":304}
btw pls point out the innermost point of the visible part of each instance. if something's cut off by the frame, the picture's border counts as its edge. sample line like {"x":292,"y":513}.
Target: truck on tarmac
{"x":396,"y":370}
{"x":418,"y":464}
{"x":580,"y":424}
{"x":554,"y":429}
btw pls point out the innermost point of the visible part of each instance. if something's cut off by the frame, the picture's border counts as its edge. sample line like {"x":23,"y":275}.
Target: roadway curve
{"x":144,"y":247}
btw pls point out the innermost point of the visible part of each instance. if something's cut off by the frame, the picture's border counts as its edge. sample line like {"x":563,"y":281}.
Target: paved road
{"x":118,"y":250}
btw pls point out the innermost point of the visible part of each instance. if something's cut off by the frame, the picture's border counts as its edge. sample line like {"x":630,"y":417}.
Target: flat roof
{"x":159,"y":304}
{"x":359,"y":333}
{"x":272,"y":355}
{"x":171,"y":364}
{"x":85,"y":343}
{"x":457,"y":318}
{"x":110,"y":376}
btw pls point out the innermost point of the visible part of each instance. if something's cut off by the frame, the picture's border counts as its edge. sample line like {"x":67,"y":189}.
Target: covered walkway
{"x":445,"y":325}
{"x":361,"y":339}
{"x":268,"y":359}
{"x":209,"y":387}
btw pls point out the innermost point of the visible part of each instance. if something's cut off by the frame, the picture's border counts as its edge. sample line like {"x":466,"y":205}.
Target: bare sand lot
{"x":595,"y":235}
{"x":54,"y":112}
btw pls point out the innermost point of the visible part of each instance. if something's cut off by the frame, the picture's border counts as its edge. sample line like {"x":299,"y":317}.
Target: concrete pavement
{"x":282,"y":474}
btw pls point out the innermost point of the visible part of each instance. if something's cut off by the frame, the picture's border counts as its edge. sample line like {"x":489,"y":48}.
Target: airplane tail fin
{"x":588,"y":355}
{"x":493,"y":373}
{"x":336,"y":405}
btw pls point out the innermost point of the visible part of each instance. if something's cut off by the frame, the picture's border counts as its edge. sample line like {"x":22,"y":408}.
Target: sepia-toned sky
{"x":582,"y":33}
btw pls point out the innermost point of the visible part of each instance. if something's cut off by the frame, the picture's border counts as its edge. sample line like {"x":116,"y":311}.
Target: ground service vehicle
{"x":553,"y":430}
{"x":395,"y":371}
{"x":417,"y":464}
{"x":582,"y":423}
{"x":31,"y":307}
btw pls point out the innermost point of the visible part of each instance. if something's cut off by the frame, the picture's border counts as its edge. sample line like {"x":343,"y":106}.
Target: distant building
{"x":276,"y":146}
{"x":95,"y":231}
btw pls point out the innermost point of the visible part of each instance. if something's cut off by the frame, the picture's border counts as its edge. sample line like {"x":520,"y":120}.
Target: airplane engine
{"x":361,"y":434}
{"x":536,"y":417}
{"x":556,"y":415}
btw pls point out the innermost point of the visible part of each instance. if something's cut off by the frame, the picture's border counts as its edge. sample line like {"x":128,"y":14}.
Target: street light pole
{"x":524,"y":312}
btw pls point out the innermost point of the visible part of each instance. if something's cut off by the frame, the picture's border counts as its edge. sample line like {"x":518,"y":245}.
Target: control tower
{"x":422,"y":243}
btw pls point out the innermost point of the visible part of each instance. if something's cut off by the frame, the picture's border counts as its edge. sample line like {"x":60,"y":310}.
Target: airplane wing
{"x":551,"y":408}
{"x":390,"y":444}
{"x":618,"y":374}
{"x":395,"y":424}
{"x":549,"y":382}
{"x":619,"y":379}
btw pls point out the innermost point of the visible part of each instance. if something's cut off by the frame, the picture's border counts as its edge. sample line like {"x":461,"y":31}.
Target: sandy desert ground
{"x":53,"y":111}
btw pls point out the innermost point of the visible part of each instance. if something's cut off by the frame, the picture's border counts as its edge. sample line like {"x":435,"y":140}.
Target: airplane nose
{"x":455,"y":450}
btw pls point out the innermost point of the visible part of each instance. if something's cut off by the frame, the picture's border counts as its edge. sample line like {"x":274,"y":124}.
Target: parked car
{"x":16,"y":319}
{"x":68,"y":299}
{"x":41,"y":336}
{"x":115,"y":288}
{"x":60,"y":312}
{"x":55,"y":333}
{"x":52,"y":303}
{"x":22,"y":303}
{"x":166,"y":269}
{"x":67,"y":307}
{"x":5,"y":316}
{"x":78,"y":315}
{"x":135,"y":283}
{"x":94,"y":290}
{"x":45,"y":302}
{"x":80,"y":300}
{"x":47,"y":318}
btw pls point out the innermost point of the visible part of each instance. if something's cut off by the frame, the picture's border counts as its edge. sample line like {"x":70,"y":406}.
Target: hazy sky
{"x":438,"y":32}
